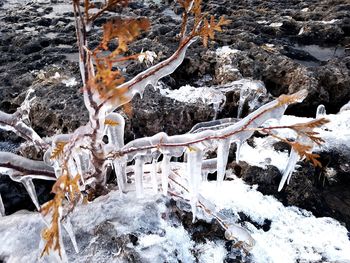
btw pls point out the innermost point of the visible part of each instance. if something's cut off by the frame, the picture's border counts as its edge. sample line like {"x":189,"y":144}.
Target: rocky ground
{"x":288,"y":45}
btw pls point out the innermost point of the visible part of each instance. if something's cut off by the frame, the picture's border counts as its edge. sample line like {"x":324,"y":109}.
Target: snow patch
{"x":71,"y":82}
{"x":295,"y":234}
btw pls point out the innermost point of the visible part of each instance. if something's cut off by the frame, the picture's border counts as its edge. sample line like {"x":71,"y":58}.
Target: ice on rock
{"x":222,"y":157}
{"x":139,"y":162}
{"x":165,"y":166}
{"x":194,"y":176}
{"x":189,"y":94}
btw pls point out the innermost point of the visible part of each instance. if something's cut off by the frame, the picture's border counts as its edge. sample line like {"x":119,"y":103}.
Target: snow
{"x":71,"y":82}
{"x":276,"y":24}
{"x":189,"y":94}
{"x":295,"y":234}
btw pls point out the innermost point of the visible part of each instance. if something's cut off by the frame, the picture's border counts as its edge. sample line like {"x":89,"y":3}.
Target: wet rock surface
{"x":287,"y":45}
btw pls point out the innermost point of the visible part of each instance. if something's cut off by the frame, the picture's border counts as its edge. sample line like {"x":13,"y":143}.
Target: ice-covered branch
{"x":236,"y":132}
{"x":18,"y":123}
{"x":24,"y":170}
{"x":147,"y":77}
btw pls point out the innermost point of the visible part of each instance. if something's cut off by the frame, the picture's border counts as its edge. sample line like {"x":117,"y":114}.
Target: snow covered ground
{"x":294,"y":234}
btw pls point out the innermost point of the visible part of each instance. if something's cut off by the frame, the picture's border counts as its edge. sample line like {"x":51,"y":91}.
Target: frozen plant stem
{"x":81,"y":161}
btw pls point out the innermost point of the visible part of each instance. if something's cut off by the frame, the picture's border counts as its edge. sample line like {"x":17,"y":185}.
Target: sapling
{"x":80,"y":161}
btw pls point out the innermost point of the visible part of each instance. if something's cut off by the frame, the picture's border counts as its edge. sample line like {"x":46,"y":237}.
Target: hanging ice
{"x":154,"y":176}
{"x":320,"y":111}
{"x":28,"y":184}
{"x":194,"y":176}
{"x":222,"y":157}
{"x":287,"y":174}
{"x":165,"y":173}
{"x":2,"y":207}
{"x":138,"y":176}
{"x":69,"y":229}
{"x":120,"y":173}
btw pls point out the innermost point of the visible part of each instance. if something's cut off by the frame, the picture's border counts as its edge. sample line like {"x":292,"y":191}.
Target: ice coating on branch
{"x":165,"y":166}
{"x":237,"y":233}
{"x":23,"y":170}
{"x":19,"y":122}
{"x":213,"y":125}
{"x":222,"y":157}
{"x":19,"y":167}
{"x":194,"y":177}
{"x":206,"y":139}
{"x":150,"y":76}
{"x":2,"y":207}
{"x":139,"y":162}
{"x":12,"y":122}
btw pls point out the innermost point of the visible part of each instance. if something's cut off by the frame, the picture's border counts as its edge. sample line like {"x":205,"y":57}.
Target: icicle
{"x":321,"y":111}
{"x":69,"y":229}
{"x":28,"y":184}
{"x":2,"y":207}
{"x":223,"y":152}
{"x":138,"y":176}
{"x":238,"y":151}
{"x":292,"y":161}
{"x":194,"y":176}
{"x":120,"y":173}
{"x":154,"y":176}
{"x":165,"y":173}
{"x":243,"y":95}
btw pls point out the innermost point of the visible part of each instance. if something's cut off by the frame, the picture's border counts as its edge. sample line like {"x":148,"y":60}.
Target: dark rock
{"x":15,"y":196}
{"x":323,"y":191}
